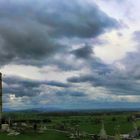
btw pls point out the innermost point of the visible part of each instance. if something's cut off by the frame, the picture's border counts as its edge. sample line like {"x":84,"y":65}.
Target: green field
{"x":48,"y":135}
{"x":89,"y":124}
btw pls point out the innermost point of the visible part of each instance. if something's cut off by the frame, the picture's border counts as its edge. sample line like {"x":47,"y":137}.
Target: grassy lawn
{"x":49,"y":135}
{"x":86,"y":123}
{"x":109,"y":127}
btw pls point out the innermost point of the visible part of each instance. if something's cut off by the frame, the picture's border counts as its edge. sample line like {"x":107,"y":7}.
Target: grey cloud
{"x":26,"y":87}
{"x":34,"y":92}
{"x":136,"y":36}
{"x":25,"y":42}
{"x":21,"y":87}
{"x":30,"y":31}
{"x":120,"y":82}
{"x":83,"y":52}
{"x":132,"y":59}
{"x":76,"y":19}
{"x":114,"y":82}
{"x":58,"y":84}
{"x":70,"y":93}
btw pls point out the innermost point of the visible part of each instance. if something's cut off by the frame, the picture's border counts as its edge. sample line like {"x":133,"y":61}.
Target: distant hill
{"x":53,"y":109}
{"x":48,"y":109}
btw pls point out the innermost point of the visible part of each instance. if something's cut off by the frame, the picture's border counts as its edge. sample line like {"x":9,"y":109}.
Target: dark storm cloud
{"x":87,"y":55}
{"x":115,"y":82}
{"x":58,"y":84}
{"x":71,"y":93}
{"x":25,"y":42}
{"x":21,"y":87}
{"x":83,"y":52}
{"x":26,"y":87}
{"x":76,"y":19}
{"x":30,"y":30}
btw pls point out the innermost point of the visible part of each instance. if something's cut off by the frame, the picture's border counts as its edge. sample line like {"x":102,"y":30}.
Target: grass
{"x":48,"y":135}
{"x":86,"y":123}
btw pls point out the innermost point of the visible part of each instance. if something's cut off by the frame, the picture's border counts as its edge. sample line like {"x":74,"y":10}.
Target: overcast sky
{"x":70,"y":54}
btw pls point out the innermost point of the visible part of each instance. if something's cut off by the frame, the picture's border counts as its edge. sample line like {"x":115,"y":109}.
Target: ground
{"x":89,"y":124}
{"x":48,"y":135}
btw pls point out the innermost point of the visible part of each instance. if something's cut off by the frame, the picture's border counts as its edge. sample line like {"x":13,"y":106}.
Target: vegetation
{"x":48,"y":135}
{"x":84,"y":123}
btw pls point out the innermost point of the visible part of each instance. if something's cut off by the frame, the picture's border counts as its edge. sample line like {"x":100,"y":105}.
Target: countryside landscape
{"x":69,"y":70}
{"x":74,"y":125}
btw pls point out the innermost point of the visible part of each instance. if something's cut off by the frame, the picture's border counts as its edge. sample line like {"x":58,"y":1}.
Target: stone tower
{"x":0,"y":99}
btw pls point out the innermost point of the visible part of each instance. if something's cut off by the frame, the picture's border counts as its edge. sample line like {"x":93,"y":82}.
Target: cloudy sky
{"x":70,"y":54}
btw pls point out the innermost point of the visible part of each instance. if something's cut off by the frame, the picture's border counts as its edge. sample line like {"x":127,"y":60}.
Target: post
{"x":0,"y":99}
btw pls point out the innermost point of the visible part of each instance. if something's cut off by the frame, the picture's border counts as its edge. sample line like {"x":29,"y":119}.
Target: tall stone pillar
{"x":0,"y":99}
